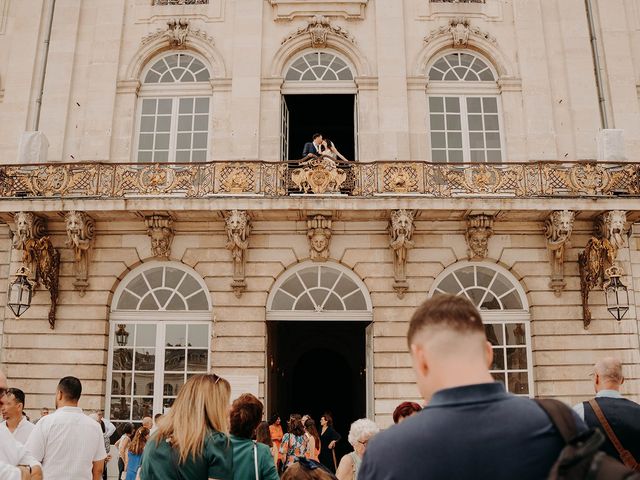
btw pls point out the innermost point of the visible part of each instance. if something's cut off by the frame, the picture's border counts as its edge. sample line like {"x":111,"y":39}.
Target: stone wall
{"x":35,"y":357}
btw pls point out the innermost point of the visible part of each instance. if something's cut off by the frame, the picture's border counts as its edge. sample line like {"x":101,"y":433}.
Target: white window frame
{"x":161,"y":319}
{"x":293,"y":87}
{"x":463,"y":90}
{"x":174,"y":91}
{"x":500,"y":316}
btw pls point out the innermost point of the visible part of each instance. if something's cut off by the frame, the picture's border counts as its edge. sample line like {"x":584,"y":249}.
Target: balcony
{"x":319,"y":178}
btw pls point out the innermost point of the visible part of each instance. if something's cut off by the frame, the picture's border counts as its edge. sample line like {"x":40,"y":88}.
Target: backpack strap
{"x":625,"y":455}
{"x":561,"y":416}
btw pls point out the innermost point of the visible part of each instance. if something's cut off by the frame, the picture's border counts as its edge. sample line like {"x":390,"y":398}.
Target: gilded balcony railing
{"x":319,"y":176}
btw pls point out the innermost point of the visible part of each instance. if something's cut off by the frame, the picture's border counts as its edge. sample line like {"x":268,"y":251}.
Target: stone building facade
{"x":161,"y":163}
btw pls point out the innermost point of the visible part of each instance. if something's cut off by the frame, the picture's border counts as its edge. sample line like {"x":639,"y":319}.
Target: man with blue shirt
{"x":622,"y":415}
{"x":471,"y":427}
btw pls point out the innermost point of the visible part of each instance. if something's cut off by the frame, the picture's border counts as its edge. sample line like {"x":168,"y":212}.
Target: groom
{"x":312,"y":148}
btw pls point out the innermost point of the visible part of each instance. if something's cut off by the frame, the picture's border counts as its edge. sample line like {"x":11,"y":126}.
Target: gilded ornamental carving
{"x":479,"y":230}
{"x":508,"y":180}
{"x":160,"y":231}
{"x":600,"y":254}
{"x":318,"y":175}
{"x":238,"y":227}
{"x":557,"y":229}
{"x":319,"y":234}
{"x":80,"y":236}
{"x":38,"y":256}
{"x":400,"y":232}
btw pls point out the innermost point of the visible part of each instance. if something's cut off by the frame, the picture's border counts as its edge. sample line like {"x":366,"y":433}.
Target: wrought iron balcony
{"x":320,"y":177}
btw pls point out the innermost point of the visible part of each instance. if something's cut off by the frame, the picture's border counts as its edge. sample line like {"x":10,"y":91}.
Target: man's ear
{"x":488,"y":352}
{"x":622,"y":381}
{"x":419,"y":358}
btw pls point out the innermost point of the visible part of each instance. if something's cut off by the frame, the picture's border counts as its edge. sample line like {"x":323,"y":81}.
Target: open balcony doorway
{"x":333,"y":115}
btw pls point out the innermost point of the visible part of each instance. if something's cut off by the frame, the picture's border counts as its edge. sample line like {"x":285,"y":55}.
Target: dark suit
{"x":310,"y":147}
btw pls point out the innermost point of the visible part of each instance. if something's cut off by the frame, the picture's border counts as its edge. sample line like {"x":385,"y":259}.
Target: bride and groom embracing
{"x":320,"y":146}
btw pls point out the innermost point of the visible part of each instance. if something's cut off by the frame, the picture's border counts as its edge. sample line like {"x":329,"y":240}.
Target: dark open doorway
{"x":316,"y":367}
{"x":329,"y":114}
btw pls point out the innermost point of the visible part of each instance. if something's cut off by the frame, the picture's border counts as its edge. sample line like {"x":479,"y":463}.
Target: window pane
{"x":439,"y":156}
{"x":512,"y":301}
{"x":309,"y":277}
{"x":201,"y":123}
{"x":198,"y":301}
{"x":176,"y":303}
{"x":145,"y":335}
{"x":185,"y":123}
{"x":515,"y":333}
{"x":328,"y":277}
{"x":452,"y":104}
{"x":174,"y":359}
{"x":176,"y":335}
{"x":501,"y":285}
{"x":436,"y":104}
{"x":163,"y":123}
{"x":490,"y":302}
{"x":490,"y":105}
{"x":456,"y":156}
{"x":172,"y":383}
{"x":494,"y":333}
{"x":475,"y":122}
{"x":282,"y":301}
{"x":473,"y":105}
{"x":161,"y":156}
{"x":476,"y":140}
{"x":198,"y":336}
{"x":487,"y":75}
{"x":453,"y":122}
{"x":498,"y":359}
{"x":197,"y":360}
{"x":355,"y":302}
{"x":477,"y":156}
{"x":202,"y":105}
{"x":199,"y":156}
{"x":493,"y":140}
{"x":305,"y":303}
{"x":145,"y":359}
{"x":145,"y":157}
{"x":333,"y":303}
{"x":498,"y":377}
{"x":143,"y":384}
{"x":149,"y":303}
{"x":172,"y":277}
{"x":199,"y":140}
{"x":146,"y":141}
{"x":491,"y":122}
{"x":293,"y":286}
{"x":184,"y":141}
{"x":438,"y":140}
{"x":437,"y":122}
{"x":121,"y":384}
{"x":123,"y":357}
{"x":149,"y":106}
{"x":518,"y":383}
{"x":494,"y":156}
{"x":127,"y":301}
{"x":183,"y":156}
{"x":141,"y":407}
{"x":516,"y":358}
{"x":147,"y":124}
{"x":454,"y":140}
{"x":120,"y":408}
{"x":449,"y":285}
{"x":164,"y":106}
{"x":162,"y":142}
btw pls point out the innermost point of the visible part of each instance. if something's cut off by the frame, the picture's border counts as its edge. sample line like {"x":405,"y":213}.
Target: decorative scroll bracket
{"x":39,"y":255}
{"x":400,"y":232}
{"x":599,"y":254}
{"x":160,"y":230}
{"x":557,"y":230}
{"x":479,"y":230}
{"x":238,"y":227}
{"x":319,"y":28}
{"x":80,"y":237}
{"x":319,"y":234}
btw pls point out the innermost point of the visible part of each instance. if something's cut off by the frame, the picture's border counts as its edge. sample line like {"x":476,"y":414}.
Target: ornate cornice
{"x":177,"y":34}
{"x":461,"y":31}
{"x":319,"y":28}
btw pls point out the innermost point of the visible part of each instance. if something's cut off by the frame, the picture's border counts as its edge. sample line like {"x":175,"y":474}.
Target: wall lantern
{"x":616,"y":293}
{"x":122,"y":335}
{"x":20,"y":292}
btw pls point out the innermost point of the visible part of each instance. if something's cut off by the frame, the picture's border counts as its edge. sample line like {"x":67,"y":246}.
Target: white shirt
{"x":67,"y":443}
{"x":9,"y":472}
{"x":13,"y":452}
{"x":579,"y":408}
{"x":22,"y":431}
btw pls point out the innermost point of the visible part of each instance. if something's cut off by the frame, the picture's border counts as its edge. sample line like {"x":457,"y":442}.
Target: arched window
{"x":464,"y":110}
{"x":160,"y":336}
{"x":319,"y":291}
{"x":174,"y":110}
{"x":503,"y":306}
{"x":318,"y":67}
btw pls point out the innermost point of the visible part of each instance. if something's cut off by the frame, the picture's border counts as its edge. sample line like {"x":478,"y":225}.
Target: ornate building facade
{"x":150,"y":180}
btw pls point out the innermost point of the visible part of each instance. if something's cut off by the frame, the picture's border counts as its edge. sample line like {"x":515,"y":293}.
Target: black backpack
{"x":581,"y":459}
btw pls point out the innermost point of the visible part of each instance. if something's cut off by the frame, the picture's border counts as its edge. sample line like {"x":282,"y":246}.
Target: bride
{"x":330,"y":150}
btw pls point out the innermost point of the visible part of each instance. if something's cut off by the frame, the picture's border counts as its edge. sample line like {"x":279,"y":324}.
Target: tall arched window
{"x":174,"y":110}
{"x":160,"y":336}
{"x":503,"y":306}
{"x":464,"y":110}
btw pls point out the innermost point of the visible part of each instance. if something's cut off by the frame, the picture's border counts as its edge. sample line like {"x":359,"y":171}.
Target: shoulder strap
{"x":561,"y":416}
{"x":625,"y":455}
{"x":255,"y":459}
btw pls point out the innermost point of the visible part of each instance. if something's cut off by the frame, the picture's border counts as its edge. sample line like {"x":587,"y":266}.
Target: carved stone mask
{"x":319,"y":241}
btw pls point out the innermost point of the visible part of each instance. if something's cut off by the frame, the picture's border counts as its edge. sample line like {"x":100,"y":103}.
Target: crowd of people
{"x":470,"y":428}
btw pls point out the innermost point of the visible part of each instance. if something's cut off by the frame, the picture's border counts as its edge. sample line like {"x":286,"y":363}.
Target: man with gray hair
{"x":617,"y":417}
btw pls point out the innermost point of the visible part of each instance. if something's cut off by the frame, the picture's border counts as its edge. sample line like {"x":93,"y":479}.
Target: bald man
{"x":15,"y":461}
{"x":622,"y":414}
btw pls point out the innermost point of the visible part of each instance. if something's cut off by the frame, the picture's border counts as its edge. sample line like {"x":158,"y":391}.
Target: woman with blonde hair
{"x":360,"y":433}
{"x":192,"y":440}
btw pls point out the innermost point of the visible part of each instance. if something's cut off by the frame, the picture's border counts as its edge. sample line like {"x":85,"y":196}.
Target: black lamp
{"x":20,"y":292}
{"x":616,"y":293}
{"x":122,"y":335}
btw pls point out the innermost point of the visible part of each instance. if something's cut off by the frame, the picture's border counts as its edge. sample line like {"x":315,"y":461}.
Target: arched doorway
{"x":319,"y":336}
{"x":319,"y":95}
